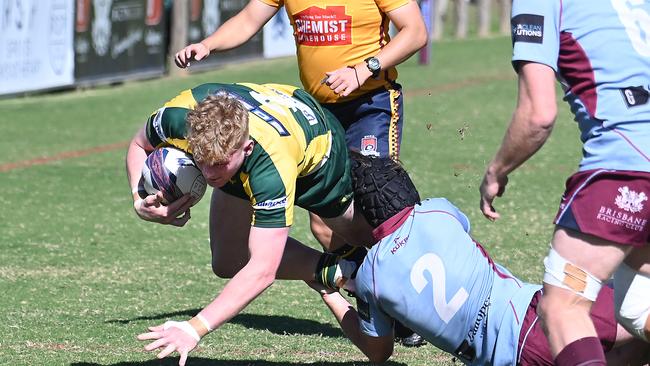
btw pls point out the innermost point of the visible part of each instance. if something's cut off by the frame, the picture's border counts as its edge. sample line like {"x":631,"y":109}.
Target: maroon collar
{"x":389,"y":226}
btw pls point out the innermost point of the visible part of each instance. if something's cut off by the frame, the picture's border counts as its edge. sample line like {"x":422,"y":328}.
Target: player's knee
{"x":220,"y":272}
{"x":224,"y":270}
{"x":631,"y":289}
{"x":560,"y":272}
{"x":225,"y":273}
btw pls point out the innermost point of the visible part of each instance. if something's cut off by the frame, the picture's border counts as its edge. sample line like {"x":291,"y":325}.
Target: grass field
{"x":81,"y":275}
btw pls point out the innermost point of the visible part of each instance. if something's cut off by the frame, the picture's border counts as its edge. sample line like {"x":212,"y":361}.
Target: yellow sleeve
{"x":389,"y":5}
{"x":274,"y":3}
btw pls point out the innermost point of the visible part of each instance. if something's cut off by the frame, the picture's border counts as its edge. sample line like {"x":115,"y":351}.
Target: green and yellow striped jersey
{"x":299,"y":157}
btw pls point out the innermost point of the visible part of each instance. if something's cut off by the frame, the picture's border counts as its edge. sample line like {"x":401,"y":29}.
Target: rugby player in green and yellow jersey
{"x":266,"y":149}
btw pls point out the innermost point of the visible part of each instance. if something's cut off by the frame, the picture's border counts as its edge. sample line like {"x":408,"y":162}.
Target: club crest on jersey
{"x":271,"y":204}
{"x":369,"y":145}
{"x":323,"y":27}
{"x":630,"y":200}
{"x":527,"y":28}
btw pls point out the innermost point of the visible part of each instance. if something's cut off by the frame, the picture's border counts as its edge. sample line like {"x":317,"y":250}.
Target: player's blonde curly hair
{"x":216,"y":128}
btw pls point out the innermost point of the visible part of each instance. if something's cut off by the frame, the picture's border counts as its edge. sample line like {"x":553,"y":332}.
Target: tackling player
{"x":266,"y":149}
{"x":600,"y":52}
{"x":426,"y":271}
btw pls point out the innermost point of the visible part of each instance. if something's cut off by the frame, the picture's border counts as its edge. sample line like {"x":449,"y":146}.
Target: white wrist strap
{"x":204,"y":321}
{"x":184,"y":326}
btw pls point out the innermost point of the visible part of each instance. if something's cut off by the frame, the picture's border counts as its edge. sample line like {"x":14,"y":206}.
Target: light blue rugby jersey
{"x":600,"y":51}
{"x":429,"y":274}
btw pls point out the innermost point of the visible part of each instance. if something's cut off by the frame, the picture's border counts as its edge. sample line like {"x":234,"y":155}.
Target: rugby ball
{"x":172,"y":172}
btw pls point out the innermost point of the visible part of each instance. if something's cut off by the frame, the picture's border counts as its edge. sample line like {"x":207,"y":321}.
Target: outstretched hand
{"x":171,"y":337}
{"x":151,"y":208}
{"x":193,"y":52}
{"x":492,"y":186}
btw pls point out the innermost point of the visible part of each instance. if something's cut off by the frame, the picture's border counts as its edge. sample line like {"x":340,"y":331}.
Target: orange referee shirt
{"x":336,"y":33}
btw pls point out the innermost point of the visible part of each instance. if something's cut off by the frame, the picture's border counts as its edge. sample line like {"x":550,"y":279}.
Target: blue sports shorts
{"x":372,"y":122}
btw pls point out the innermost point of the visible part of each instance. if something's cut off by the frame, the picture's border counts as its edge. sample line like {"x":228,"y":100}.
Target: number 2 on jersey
{"x":433,"y":264}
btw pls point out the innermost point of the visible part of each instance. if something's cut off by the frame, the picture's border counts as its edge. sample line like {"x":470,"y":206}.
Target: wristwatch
{"x":373,"y":65}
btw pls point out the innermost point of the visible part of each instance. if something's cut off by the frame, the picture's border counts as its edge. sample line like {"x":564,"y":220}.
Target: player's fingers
{"x":156,"y":344}
{"x":169,"y":349}
{"x":177,"y":60}
{"x":347,"y":91}
{"x":149,"y":335}
{"x":493,"y":215}
{"x":180,"y":205}
{"x":199,"y":55}
{"x":341,"y":88}
{"x":335,"y":84}
{"x":181,"y":221}
{"x":157,"y":328}
{"x":153,"y":200}
{"x":186,"y":202}
{"x":488,"y":210}
{"x":149,"y":200}
{"x":183,"y":358}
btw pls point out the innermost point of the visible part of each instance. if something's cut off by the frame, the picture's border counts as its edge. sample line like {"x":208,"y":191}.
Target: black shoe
{"x":414,"y":340}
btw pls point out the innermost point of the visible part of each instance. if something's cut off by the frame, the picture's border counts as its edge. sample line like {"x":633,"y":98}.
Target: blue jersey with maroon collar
{"x":428,"y":273}
{"x":600,"y":51}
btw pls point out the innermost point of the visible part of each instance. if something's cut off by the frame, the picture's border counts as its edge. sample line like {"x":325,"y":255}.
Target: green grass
{"x":81,"y":275}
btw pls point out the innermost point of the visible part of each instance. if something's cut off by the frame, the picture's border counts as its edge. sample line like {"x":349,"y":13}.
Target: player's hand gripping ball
{"x":172,"y":172}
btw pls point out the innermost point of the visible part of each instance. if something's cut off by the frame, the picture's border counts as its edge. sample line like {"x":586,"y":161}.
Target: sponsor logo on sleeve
{"x":271,"y":204}
{"x":323,"y":27}
{"x":635,"y":96}
{"x":527,"y":28}
{"x":157,"y":124}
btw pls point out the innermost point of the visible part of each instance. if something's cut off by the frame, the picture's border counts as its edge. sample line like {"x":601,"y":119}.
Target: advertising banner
{"x":35,"y":44}
{"x":119,"y":39}
{"x":205,"y":16}
{"x":278,"y":36}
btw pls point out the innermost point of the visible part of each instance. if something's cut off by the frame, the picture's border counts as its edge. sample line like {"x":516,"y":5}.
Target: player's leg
{"x":575,"y":268}
{"x":620,"y":347}
{"x":230,"y":222}
{"x":598,"y":223}
{"x":230,"y":219}
{"x":632,"y":293}
{"x":628,"y":350}
{"x":373,"y":125}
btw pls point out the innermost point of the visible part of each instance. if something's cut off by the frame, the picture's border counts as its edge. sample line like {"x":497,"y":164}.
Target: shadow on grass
{"x":272,"y":323}
{"x":194,"y":361}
